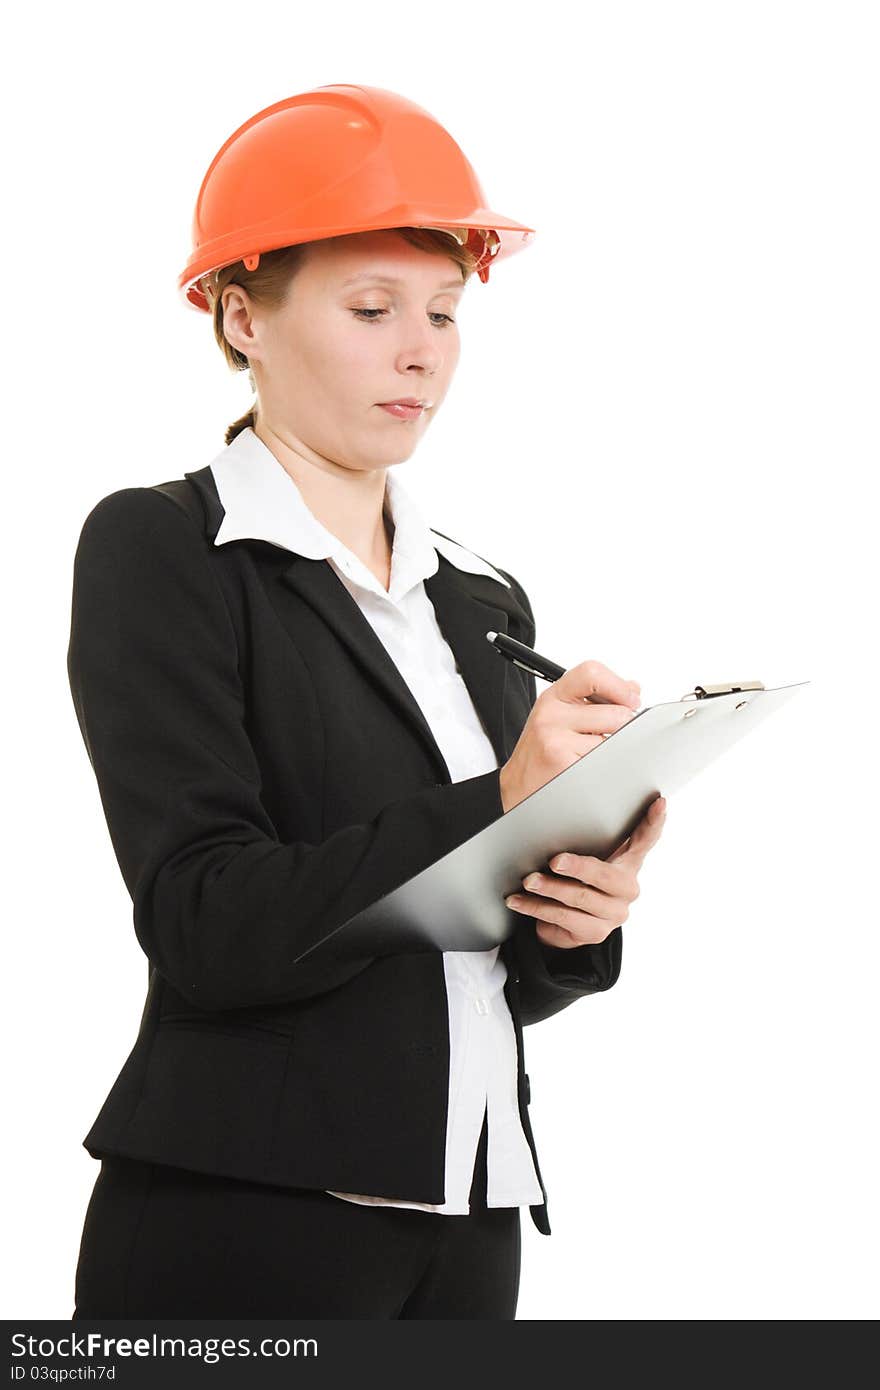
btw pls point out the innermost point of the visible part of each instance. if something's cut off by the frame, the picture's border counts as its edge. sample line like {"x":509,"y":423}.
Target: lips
{"x":402,"y":411}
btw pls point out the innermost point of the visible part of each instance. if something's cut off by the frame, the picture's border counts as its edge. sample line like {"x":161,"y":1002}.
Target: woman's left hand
{"x":585,"y":898}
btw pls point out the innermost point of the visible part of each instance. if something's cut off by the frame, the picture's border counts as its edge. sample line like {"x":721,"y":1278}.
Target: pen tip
{"x":490,"y":636}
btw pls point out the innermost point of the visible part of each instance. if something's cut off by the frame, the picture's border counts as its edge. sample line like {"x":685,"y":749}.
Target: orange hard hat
{"x":333,"y":161}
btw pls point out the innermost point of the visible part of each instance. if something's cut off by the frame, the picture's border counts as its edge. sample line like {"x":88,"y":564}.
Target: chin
{"x":402,"y":456}
{"x":398,"y":452}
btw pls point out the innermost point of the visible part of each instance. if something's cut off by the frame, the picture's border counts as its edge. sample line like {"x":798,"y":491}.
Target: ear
{"x":239,"y":326}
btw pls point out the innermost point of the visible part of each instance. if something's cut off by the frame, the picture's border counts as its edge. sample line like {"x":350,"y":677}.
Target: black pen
{"x":523,"y":656}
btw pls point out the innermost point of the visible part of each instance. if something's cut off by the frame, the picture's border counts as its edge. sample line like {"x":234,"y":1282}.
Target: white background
{"x":665,"y":424}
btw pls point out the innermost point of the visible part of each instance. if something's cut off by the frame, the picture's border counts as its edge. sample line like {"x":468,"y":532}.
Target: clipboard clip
{"x":706,"y":692}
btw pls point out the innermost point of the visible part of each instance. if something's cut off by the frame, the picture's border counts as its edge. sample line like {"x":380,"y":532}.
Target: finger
{"x":603,"y":873}
{"x":651,"y":824}
{"x":556,"y":936}
{"x":588,"y":931}
{"x":648,"y":830}
{"x":587,"y":926}
{"x":620,"y":850}
{"x":584,"y":718}
{"x":541,"y":888}
{"x":588,"y":869}
{"x":591,"y":680}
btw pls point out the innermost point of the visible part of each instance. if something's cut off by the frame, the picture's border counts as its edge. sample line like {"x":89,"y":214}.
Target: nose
{"x":420,"y":349}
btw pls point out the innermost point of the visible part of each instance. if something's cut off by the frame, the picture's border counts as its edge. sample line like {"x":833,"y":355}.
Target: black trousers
{"x":164,"y":1242}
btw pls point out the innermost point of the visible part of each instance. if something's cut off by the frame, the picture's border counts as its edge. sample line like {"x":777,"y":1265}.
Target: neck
{"x":349,"y":502}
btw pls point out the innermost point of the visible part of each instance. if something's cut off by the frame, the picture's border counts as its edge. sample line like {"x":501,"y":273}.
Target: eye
{"x":366,"y":315}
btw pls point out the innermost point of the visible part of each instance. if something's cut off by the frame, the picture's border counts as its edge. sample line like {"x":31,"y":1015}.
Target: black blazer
{"x":265,"y":772}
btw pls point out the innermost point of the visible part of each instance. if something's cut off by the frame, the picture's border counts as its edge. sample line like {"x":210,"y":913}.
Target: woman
{"x":283,"y":683}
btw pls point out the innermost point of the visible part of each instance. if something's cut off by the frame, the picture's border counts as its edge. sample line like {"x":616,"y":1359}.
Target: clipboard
{"x":457,"y":903}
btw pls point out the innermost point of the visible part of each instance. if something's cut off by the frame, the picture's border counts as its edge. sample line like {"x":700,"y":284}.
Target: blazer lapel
{"x":464,"y":613}
{"x":314,"y":582}
{"x":467,"y":607}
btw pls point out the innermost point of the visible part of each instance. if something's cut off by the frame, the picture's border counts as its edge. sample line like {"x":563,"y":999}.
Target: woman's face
{"x":369,"y":318}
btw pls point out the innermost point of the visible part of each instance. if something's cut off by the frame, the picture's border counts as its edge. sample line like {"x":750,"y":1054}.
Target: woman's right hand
{"x":568,"y":718}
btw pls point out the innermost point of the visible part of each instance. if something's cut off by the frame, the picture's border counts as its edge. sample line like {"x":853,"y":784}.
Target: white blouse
{"x":261,"y":500}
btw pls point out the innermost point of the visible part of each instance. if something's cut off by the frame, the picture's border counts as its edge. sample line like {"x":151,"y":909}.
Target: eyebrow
{"x":394,"y":280}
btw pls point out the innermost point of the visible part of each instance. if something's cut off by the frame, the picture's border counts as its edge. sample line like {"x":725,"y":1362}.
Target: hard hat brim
{"x":512,"y":237}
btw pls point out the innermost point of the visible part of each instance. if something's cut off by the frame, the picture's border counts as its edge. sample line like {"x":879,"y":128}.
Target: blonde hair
{"x":269,"y":283}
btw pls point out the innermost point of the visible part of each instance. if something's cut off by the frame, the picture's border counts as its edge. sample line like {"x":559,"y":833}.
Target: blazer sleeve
{"x":552,"y":977}
{"x":222,"y":907}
